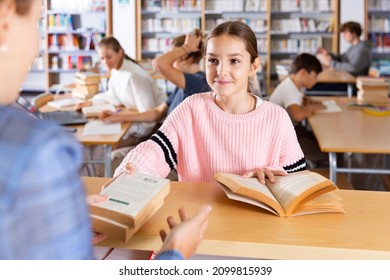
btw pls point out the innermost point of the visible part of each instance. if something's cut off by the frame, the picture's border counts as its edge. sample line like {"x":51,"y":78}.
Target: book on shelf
{"x":132,"y":200}
{"x":294,"y":194}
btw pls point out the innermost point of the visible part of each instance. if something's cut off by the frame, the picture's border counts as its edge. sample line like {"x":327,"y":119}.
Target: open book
{"x":95,"y":110}
{"x":132,"y":200}
{"x":298,"y":193}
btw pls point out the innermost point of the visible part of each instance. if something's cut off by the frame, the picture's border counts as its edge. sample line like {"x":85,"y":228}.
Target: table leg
{"x":350,"y":90}
{"x":107,"y":149}
{"x":333,"y":167}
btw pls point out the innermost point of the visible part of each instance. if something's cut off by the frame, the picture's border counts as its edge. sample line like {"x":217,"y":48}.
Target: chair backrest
{"x":41,"y":99}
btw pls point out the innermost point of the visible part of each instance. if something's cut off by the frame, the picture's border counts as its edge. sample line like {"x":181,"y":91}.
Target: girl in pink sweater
{"x":225,"y":130}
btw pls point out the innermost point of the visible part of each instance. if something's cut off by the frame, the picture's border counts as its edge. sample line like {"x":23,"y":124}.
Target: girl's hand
{"x":80,"y":105}
{"x":263,"y":173}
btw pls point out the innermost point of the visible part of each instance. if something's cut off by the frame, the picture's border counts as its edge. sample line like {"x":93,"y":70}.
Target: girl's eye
{"x":235,"y":61}
{"x":212,"y":60}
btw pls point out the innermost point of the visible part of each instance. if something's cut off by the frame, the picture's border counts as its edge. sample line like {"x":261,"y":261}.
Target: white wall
{"x":351,"y":10}
{"x":123,"y":23}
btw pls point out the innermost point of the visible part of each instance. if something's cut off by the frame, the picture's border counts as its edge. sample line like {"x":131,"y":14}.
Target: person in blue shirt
{"x":43,"y":208}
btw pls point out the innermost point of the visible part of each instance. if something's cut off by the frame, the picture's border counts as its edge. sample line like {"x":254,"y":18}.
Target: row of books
{"x":257,"y":25}
{"x":60,"y":22}
{"x":309,"y":45}
{"x":180,"y":25}
{"x":301,"y":25}
{"x":171,"y":6}
{"x":73,"y":42}
{"x":379,"y":5}
{"x":72,"y":62}
{"x":380,"y":24}
{"x":77,"y":5}
{"x":236,"y":5}
{"x":380,"y":42}
{"x":304,"y":5}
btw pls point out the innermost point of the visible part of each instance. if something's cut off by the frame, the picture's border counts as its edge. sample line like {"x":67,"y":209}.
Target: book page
{"x":288,"y":188}
{"x":250,"y":188}
{"x":331,"y":107}
{"x":246,"y":199}
{"x":60,"y":103}
{"x":101,"y":128}
{"x":128,"y":194}
{"x":95,"y":110}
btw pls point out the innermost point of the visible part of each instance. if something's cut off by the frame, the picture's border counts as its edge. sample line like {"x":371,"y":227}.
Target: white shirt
{"x":134,"y":88}
{"x":286,"y":94}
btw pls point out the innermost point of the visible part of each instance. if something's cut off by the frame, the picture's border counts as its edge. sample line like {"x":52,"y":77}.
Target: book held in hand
{"x":132,"y":200}
{"x":294,"y":194}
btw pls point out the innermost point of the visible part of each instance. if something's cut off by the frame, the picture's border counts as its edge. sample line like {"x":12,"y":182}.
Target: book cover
{"x":132,"y":200}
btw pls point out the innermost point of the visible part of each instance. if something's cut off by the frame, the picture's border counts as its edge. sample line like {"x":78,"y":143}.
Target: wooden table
{"x":351,"y":131}
{"x":106,"y":141}
{"x":334,"y":76}
{"x":240,"y":230}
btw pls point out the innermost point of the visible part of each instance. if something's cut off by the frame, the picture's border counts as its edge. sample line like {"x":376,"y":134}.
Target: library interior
{"x":127,"y":67}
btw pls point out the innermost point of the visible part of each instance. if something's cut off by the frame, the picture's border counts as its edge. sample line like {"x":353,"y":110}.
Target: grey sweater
{"x":356,"y":60}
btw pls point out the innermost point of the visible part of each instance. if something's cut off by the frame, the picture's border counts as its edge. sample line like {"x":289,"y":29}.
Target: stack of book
{"x":373,"y":90}
{"x":86,"y":84}
{"x":132,"y":200}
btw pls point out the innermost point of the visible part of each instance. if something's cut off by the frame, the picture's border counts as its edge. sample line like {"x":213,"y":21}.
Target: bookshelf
{"x":377,"y":32}
{"x":283,"y":28}
{"x":70,"y":30}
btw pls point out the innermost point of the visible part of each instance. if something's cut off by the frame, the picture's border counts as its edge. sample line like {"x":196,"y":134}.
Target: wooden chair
{"x":41,"y":99}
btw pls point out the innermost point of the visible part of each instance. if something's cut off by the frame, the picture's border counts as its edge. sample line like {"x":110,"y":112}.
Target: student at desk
{"x":288,"y":95}
{"x":129,"y":85}
{"x":228,"y":129}
{"x":357,"y":59}
{"x":180,"y":66}
{"x":43,"y":209}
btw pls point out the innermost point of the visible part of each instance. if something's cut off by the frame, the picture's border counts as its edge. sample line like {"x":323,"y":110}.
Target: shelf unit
{"x":70,"y":30}
{"x":377,"y":31}
{"x":267,"y":18}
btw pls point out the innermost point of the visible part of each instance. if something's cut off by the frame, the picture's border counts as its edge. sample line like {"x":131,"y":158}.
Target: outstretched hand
{"x":263,"y":173}
{"x":186,"y":236}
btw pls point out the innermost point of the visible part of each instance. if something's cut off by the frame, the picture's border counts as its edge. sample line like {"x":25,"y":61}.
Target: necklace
{"x":250,"y":103}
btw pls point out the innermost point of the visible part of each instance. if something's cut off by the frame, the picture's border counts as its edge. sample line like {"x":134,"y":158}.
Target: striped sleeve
{"x":292,"y":158}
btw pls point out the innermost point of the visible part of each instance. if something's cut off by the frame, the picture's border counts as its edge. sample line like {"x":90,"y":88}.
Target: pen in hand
{"x":109,"y":116}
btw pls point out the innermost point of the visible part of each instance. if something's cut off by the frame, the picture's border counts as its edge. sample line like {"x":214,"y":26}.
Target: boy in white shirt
{"x":289,"y":95}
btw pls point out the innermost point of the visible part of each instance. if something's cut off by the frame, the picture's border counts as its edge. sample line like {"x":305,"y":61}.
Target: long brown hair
{"x":239,"y":30}
{"x":113,"y":44}
{"x":22,"y":6}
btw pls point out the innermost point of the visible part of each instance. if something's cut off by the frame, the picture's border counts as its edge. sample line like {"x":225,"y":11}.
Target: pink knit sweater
{"x":198,"y":139}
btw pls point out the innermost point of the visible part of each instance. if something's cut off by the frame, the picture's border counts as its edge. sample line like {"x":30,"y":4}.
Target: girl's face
{"x":228,"y":66}
{"x":110,"y":58}
{"x":20,"y":34}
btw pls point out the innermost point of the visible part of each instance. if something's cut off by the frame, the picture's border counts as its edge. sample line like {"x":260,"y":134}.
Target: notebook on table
{"x":60,"y":117}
